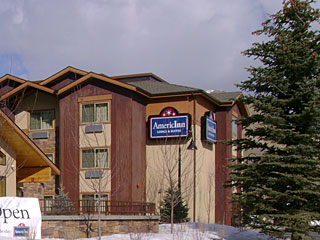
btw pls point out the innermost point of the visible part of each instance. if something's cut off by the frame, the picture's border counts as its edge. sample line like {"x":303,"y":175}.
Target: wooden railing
{"x":91,"y":207}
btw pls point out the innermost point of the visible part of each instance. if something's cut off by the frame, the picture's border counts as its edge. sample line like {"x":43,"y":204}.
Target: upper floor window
{"x":234,"y":128}
{"x":40,"y":120}
{"x":95,"y":158}
{"x":95,"y":112}
{"x":2,"y":158}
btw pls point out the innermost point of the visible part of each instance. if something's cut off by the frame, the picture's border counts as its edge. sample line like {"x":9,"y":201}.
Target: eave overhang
{"x":138,"y":75}
{"x":61,"y":73}
{"x":100,"y":77}
{"x":28,"y":155}
{"x":13,"y":78}
{"x":23,"y":86}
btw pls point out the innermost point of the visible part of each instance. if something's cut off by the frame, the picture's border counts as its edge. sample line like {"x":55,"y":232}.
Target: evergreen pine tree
{"x":180,"y":210}
{"x":62,"y":204}
{"x":279,"y":189}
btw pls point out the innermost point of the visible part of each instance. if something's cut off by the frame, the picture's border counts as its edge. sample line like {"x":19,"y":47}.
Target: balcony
{"x":91,"y":207}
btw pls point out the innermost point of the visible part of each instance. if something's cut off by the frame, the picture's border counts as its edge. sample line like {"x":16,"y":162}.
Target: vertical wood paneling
{"x":121,"y":145}
{"x":139,"y":152}
{"x":223,"y":154}
{"x":128,"y":140}
{"x":69,"y":142}
{"x":223,"y":205}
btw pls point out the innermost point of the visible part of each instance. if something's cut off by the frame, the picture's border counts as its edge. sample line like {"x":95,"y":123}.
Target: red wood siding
{"x":69,"y":145}
{"x":7,"y":86}
{"x":139,"y":152}
{"x":128,"y":140}
{"x":223,"y":207}
{"x":63,"y":81}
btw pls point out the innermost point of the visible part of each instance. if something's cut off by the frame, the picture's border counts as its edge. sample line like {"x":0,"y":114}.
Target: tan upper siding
{"x":203,"y":106}
{"x":160,"y":155}
{"x":102,"y":139}
{"x":161,"y":158}
{"x":36,"y":102}
{"x":205,"y":163}
{"x":9,"y":170}
{"x":95,"y":140}
{"x":21,"y":119}
{"x":182,"y":105}
{"x":92,"y":185}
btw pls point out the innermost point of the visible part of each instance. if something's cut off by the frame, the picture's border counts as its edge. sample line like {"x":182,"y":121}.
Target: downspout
{"x":194,"y":158}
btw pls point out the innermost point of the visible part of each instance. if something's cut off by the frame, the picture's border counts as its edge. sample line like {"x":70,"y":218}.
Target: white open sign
{"x":20,"y":217}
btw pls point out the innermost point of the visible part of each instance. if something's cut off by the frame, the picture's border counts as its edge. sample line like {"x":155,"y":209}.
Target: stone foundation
{"x":71,"y":227}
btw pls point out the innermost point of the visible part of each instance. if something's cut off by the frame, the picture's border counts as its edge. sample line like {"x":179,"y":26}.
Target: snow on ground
{"x":188,"y":231}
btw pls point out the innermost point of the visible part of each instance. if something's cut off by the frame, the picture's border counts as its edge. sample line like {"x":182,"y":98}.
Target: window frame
{"x":234,"y":128}
{"x":95,"y":161}
{"x":41,"y":121}
{"x":48,"y":208}
{"x":94,"y":201}
{"x":96,"y":195}
{"x":95,"y":112}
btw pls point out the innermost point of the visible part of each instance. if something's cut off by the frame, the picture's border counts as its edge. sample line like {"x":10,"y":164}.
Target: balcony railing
{"x":92,"y":207}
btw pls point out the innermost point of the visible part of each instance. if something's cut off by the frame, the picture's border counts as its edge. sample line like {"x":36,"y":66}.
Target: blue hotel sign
{"x":208,"y":128}
{"x":169,"y":125}
{"x":211,"y":130}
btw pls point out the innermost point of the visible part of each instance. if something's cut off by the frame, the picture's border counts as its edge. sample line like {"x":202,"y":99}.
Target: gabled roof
{"x":13,"y":78}
{"x":92,"y":75}
{"x":28,"y":154}
{"x":135,"y":77}
{"x":61,"y":73}
{"x":155,"y":88}
{"x":146,"y":84}
{"x":225,"y":97}
{"x":23,"y":86}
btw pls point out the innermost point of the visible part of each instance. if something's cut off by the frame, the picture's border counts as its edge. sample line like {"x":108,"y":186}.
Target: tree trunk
{"x":171,"y":218}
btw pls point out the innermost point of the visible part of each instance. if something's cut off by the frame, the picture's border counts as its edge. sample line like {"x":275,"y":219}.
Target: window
{"x":50,"y":156}
{"x":90,"y":202}
{"x":41,"y":120}
{"x":95,"y":158}
{"x":48,"y":203}
{"x":234,"y":128}
{"x":2,"y":186}
{"x":2,"y":158}
{"x":19,"y":192}
{"x":95,"y":112}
